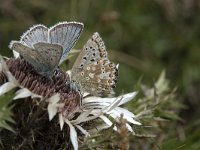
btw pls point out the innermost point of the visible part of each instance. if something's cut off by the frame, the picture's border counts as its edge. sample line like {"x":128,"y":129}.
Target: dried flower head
{"x":18,"y":73}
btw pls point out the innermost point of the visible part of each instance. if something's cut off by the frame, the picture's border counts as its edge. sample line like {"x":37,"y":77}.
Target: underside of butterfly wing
{"x":98,"y":78}
{"x":50,"y":54}
{"x":29,"y":54}
{"x":93,"y":70}
{"x":92,"y":51}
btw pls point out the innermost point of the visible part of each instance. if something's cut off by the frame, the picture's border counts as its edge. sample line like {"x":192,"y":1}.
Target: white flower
{"x":97,"y":107}
{"x":53,"y":105}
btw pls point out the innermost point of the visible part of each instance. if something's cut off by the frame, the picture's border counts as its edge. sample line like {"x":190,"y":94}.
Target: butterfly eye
{"x":56,"y":72}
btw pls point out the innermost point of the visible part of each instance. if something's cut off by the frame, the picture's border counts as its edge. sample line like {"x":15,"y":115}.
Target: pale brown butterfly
{"x":93,"y":70}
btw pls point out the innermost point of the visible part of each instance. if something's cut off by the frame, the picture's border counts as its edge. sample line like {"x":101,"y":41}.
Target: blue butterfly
{"x":45,"y":48}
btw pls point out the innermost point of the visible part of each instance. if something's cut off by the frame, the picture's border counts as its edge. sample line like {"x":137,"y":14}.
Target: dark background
{"x":144,"y":37}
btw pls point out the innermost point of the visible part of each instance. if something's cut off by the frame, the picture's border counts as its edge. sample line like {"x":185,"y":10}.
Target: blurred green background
{"x":144,"y":37}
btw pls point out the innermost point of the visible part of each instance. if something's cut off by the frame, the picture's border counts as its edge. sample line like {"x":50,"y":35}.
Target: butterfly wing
{"x":65,"y":34}
{"x":29,"y":54}
{"x":37,"y":33}
{"x":98,"y":78}
{"x":50,"y":54}
{"x":93,"y":70}
{"x":92,"y":51}
{"x":44,"y":57}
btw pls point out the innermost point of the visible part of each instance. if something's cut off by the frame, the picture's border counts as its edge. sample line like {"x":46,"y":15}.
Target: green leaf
{"x":5,"y":111}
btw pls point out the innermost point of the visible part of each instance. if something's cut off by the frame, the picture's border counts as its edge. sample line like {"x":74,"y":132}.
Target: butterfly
{"x":93,"y":70}
{"x":45,"y":48}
